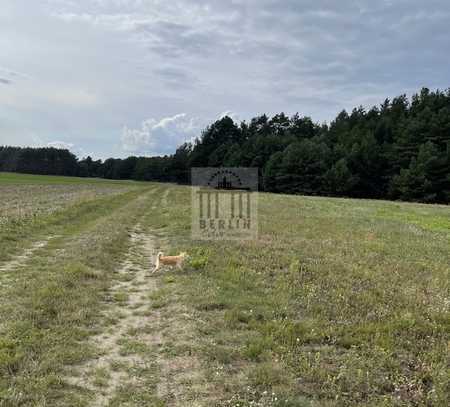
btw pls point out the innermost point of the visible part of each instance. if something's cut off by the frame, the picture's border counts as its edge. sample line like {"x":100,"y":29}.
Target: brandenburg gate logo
{"x":224,"y":203}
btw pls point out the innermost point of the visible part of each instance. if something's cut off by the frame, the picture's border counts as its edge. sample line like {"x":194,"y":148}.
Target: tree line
{"x":398,"y":150}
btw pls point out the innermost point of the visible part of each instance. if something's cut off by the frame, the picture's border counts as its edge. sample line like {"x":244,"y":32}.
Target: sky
{"x":139,"y":77}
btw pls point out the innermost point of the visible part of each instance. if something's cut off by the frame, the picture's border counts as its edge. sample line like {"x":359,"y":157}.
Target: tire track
{"x":124,"y":299}
{"x":139,"y":354}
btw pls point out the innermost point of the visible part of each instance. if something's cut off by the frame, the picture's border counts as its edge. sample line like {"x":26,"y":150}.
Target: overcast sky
{"x":122,"y":77}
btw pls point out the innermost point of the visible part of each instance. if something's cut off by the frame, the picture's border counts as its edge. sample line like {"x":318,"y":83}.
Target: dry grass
{"x":22,"y":203}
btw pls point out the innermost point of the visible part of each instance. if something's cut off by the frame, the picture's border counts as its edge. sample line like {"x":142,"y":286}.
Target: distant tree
{"x":90,"y":168}
{"x":399,"y":149}
{"x":338,"y":180}
{"x":111,"y":168}
{"x":424,"y":179}
{"x":125,"y":168}
{"x":273,"y":173}
{"x":299,"y":169}
{"x":179,"y":164}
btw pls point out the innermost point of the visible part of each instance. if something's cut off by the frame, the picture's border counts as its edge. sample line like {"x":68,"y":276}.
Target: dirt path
{"x":139,"y":345}
{"x":104,"y":375}
{"x":165,"y":197}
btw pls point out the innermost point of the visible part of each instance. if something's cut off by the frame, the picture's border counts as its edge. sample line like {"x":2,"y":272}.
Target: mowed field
{"x":338,"y":303}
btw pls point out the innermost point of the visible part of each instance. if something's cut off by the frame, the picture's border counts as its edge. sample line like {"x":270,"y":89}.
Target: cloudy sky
{"x":122,"y":77}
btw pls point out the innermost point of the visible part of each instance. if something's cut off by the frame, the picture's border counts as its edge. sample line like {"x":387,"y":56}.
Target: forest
{"x":399,"y":150}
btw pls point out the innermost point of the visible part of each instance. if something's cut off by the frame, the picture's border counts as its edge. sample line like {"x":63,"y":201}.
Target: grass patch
{"x":120,"y":297}
{"x":339,"y":302}
{"x":53,"y":305}
{"x":31,"y":179}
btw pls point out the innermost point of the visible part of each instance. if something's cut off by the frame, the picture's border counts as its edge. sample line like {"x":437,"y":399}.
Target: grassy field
{"x":30,"y":179}
{"x":338,"y":303}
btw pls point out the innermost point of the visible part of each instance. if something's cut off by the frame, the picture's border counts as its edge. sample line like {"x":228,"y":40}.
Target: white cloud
{"x":160,"y":136}
{"x":80,"y":69}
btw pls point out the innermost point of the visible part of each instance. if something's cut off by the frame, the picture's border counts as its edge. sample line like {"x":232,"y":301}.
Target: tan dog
{"x":162,"y":260}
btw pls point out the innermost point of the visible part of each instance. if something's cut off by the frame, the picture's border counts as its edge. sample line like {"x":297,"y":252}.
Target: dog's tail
{"x":157,"y":261}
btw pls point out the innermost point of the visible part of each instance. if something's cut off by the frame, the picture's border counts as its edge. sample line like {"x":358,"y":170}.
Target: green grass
{"x":338,"y":303}
{"x":47,"y":310}
{"x":30,"y":179}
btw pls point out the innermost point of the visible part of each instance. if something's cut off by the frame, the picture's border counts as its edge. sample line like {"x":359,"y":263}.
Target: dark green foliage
{"x":399,"y":150}
{"x":426,"y":178}
{"x":338,"y":180}
{"x":45,"y":161}
{"x":300,"y":168}
{"x":89,"y":168}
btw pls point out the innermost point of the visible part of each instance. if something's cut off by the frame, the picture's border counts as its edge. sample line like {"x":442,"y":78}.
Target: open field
{"x":338,"y":303}
{"x":30,"y":179}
